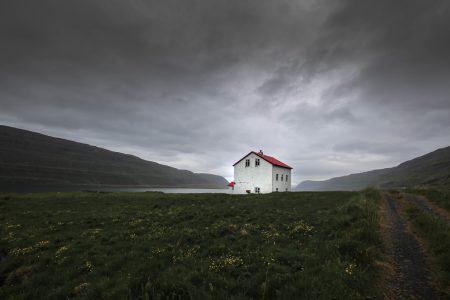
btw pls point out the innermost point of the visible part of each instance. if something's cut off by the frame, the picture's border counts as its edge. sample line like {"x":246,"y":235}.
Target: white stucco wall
{"x":247,"y":178}
{"x":281,"y":185}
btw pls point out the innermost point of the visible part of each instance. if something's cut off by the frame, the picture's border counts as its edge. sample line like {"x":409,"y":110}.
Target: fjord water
{"x":40,"y":189}
{"x":168,"y":190}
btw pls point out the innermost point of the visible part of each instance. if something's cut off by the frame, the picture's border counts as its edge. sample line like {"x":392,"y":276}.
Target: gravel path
{"x":423,"y":203}
{"x":411,"y":275}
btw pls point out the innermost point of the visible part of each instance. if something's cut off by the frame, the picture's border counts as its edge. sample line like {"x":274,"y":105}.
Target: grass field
{"x":194,"y":246}
{"x":439,"y":196}
{"x":436,"y":236}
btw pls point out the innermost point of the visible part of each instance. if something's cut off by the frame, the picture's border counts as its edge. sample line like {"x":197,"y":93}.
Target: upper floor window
{"x":286,"y":177}
{"x":247,"y":162}
{"x":257,"y":162}
{"x":276,"y":177}
{"x":281,"y":177}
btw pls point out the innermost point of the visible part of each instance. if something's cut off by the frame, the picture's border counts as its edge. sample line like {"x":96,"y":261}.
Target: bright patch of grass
{"x":436,"y":235}
{"x":195,"y":246}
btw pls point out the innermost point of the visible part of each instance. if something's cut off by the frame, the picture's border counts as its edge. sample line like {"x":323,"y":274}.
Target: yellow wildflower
{"x":350,"y":268}
{"x":61,"y":250}
{"x":300,"y":227}
{"x":42,"y":244}
{"x":222,"y":262}
{"x":88,"y":266}
{"x":14,"y":226}
{"x":21,"y":251}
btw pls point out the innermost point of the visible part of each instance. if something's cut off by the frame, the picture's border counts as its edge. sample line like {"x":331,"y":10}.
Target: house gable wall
{"x":247,"y":178}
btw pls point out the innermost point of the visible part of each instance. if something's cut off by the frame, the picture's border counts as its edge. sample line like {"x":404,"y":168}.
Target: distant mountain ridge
{"x":33,"y":159}
{"x":429,"y":170}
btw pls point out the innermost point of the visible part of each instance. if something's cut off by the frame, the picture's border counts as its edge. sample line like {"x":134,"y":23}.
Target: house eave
{"x":289,"y":168}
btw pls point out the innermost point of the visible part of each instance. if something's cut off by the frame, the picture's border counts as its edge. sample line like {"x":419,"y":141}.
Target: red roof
{"x":267,"y":158}
{"x":232,"y":183}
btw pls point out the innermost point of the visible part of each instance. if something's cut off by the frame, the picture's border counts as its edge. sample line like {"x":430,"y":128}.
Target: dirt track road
{"x":412,"y":278}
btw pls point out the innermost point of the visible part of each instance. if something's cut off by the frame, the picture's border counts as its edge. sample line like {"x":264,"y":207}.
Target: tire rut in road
{"x":411,"y":280}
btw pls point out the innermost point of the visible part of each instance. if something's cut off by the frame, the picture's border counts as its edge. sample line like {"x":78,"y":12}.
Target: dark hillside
{"x":32,"y":159}
{"x":430,"y":170}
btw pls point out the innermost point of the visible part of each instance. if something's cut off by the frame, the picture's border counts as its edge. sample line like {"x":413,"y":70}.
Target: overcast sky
{"x":328,"y":87}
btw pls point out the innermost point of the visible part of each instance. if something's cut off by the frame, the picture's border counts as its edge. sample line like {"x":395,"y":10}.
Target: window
{"x":276,"y":177}
{"x":247,"y":162}
{"x":257,"y":190}
{"x":281,"y":177}
{"x":286,"y":177}
{"x":286,"y":189}
{"x":276,"y":190}
{"x":257,"y":162}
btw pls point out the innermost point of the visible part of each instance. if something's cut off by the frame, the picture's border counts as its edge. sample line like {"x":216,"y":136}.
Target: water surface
{"x":40,"y":189}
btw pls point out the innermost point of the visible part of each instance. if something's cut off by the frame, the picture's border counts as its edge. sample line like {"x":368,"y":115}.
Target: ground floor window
{"x":276,"y":190}
{"x":257,"y":190}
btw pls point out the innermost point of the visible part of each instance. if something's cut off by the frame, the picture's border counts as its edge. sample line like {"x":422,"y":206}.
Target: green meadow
{"x":190,"y":246}
{"x":435,"y":235}
{"x":440,"y":197}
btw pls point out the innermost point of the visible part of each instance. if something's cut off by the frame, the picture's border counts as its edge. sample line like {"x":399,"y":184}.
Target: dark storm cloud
{"x":406,"y":46}
{"x":358,"y":84}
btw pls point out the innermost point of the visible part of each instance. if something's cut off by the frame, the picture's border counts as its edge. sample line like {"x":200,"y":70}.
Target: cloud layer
{"x":329,"y":87}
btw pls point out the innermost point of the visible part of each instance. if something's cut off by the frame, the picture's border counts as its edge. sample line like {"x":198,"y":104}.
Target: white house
{"x":260,"y":173}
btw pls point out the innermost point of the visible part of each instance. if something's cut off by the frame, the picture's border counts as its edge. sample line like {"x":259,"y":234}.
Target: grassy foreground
{"x":196,"y":246}
{"x":439,"y":196}
{"x":436,"y":236}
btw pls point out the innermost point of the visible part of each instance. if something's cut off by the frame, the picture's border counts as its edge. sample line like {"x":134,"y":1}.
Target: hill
{"x":29,"y":159}
{"x":430,"y":170}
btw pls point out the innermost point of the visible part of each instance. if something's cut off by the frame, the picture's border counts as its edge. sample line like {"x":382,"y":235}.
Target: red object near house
{"x":232,"y":184}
